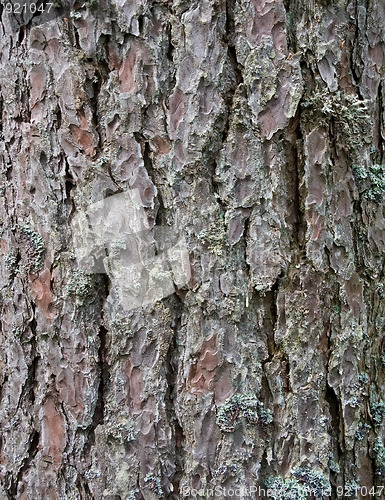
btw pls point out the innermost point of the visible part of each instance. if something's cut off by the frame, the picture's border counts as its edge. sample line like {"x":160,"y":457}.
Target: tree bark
{"x":253,"y":130}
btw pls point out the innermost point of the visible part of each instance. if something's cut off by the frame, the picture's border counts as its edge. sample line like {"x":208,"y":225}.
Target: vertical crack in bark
{"x":232,"y":55}
{"x":356,"y":45}
{"x":230,"y":30}
{"x":58,"y":117}
{"x":172,"y":357}
{"x":87,"y":491}
{"x":381,"y":124}
{"x":103,"y":367}
{"x":335,"y":433}
{"x":147,"y":159}
{"x":274,"y":313}
{"x":335,"y":415}
{"x":28,"y":390}
{"x":270,"y":306}
{"x":228,"y":98}
{"x":290,"y":16}
{"x":76,"y":39}
{"x":264,"y":472}
{"x":83,"y":490}
{"x":170,"y":49}
{"x":157,"y":215}
{"x":331,"y":397}
{"x":69,"y":185}
{"x":93,"y":102}
{"x":246,"y":235}
{"x":104,"y":377}
{"x":1,"y":117}
{"x":28,"y":386}
{"x":33,"y":448}
{"x":101,"y":62}
{"x":295,"y":155}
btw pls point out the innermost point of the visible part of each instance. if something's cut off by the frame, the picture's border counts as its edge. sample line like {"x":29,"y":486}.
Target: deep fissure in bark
{"x":103,"y":369}
{"x":171,"y":366}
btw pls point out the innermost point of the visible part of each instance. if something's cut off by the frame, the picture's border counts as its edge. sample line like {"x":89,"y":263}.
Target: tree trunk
{"x":193,"y":236}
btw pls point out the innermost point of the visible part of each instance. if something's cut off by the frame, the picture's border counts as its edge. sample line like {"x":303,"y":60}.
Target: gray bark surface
{"x":256,"y":128}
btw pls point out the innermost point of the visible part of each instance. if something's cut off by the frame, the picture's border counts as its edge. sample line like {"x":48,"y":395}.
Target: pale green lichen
{"x":265,"y":416}
{"x":302,"y":484}
{"x":10,"y":261}
{"x":354,"y":402}
{"x":122,"y":431}
{"x":348,"y":112}
{"x":288,"y":489}
{"x":123,"y":326}
{"x":153,"y":482}
{"x":242,"y":407}
{"x":215,"y":238}
{"x":362,"y":431}
{"x":81,"y":284}
{"x":379,"y":456}
{"x":359,"y":172}
{"x":378,"y":413}
{"x":363,"y":379}
{"x":371,"y":181}
{"x":314,"y":480}
{"x":226,"y":470}
{"x":333,"y":465}
{"x":35,"y":246}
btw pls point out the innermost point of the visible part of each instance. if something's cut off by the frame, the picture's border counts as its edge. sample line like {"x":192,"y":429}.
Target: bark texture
{"x":257,"y":128}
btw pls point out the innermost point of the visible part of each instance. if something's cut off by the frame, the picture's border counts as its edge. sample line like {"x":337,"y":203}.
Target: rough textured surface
{"x":257,"y":127}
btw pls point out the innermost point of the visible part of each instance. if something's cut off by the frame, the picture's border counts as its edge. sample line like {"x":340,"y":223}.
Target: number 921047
{"x":21,"y":8}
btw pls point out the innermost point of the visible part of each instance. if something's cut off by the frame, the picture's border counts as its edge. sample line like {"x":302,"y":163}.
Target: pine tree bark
{"x":256,"y":128}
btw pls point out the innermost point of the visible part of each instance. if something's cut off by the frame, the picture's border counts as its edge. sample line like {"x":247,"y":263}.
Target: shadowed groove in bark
{"x":75,"y":32}
{"x":84,"y":489}
{"x":171,"y":366}
{"x":95,"y":86}
{"x":103,"y":368}
{"x":273,"y":296}
{"x":229,"y":97}
{"x":103,"y":384}
{"x":378,"y":155}
{"x":29,"y":386}
{"x":30,"y":455}
{"x":70,"y":184}
{"x":1,"y":115}
{"x":28,"y":392}
{"x":170,"y":51}
{"x":230,"y":42}
{"x":299,"y":225}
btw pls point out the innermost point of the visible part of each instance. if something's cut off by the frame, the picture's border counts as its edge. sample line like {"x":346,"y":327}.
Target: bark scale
{"x":256,"y":128}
